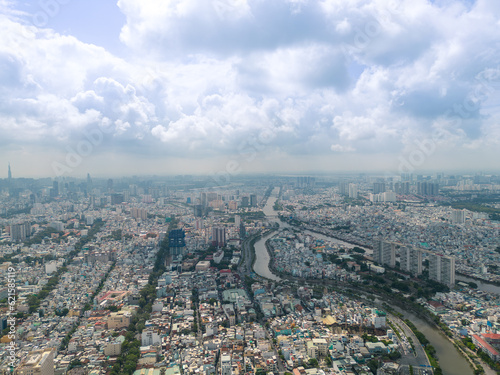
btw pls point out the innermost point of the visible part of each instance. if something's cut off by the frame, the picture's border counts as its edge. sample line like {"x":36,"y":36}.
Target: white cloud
{"x":293,"y":77}
{"x":340,"y":148}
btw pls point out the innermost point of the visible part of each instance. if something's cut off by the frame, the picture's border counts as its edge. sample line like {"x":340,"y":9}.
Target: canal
{"x":451,"y":362}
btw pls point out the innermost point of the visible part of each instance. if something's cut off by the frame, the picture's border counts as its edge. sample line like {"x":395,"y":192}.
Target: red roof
{"x":491,"y":336}
{"x":485,"y":345}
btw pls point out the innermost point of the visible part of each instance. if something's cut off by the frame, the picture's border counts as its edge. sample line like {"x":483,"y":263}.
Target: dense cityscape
{"x":260,"y":274}
{"x":249,"y":187}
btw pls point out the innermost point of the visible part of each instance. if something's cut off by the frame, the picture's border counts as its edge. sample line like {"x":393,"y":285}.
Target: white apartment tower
{"x":411,"y":259}
{"x":385,"y":253}
{"x":442,"y":269}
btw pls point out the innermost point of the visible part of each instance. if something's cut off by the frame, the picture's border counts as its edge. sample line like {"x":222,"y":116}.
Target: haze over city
{"x":285,"y":86}
{"x":249,"y":187}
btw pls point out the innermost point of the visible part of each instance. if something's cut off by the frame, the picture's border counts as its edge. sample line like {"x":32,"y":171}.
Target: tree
{"x":373,"y":365}
{"x":313,"y":362}
{"x":328,"y":361}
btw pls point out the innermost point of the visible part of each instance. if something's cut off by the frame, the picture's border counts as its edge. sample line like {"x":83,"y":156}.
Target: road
{"x":417,"y":357}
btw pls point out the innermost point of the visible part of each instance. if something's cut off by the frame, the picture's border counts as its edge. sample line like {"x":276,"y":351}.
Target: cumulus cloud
{"x":290,"y":77}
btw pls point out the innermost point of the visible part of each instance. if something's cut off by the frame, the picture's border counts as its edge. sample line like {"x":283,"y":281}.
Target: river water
{"x":450,"y":361}
{"x":485,"y":287}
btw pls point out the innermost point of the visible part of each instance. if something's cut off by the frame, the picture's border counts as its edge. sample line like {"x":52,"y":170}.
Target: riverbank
{"x":483,"y":281}
{"x":447,"y":353}
{"x":327,"y":233}
{"x":262,"y":267}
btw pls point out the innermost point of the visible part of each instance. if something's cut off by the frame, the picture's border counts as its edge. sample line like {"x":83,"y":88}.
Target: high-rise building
{"x":442,"y":269}
{"x":139,"y":213}
{"x":244,"y":202}
{"x":406,"y":177}
{"x":117,"y":198}
{"x":353,"y":191}
{"x":458,"y":216}
{"x":253,"y":200}
{"x":402,"y":187}
{"x":89,"y":184}
{"x":54,"y":192}
{"x":38,"y":362}
{"x":219,"y":237}
{"x":9,"y":174}
{"x":306,"y":182}
{"x":110,"y":185}
{"x":176,"y":242}
{"x":198,"y":210}
{"x":20,"y":231}
{"x":411,"y":259}
{"x":427,"y":188}
{"x":344,"y":188}
{"x":243,"y":231}
{"x":385,"y":253}
{"x":378,"y":187}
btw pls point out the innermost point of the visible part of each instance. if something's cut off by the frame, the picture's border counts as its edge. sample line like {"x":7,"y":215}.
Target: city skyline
{"x":130,"y":88}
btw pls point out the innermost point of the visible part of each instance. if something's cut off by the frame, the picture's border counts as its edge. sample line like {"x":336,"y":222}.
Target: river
{"x":262,"y":258}
{"x":485,"y":287}
{"x":451,"y":362}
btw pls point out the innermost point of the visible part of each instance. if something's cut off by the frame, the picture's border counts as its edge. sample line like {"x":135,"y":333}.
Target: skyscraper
{"x":177,"y":242}
{"x":353,"y":191}
{"x":110,"y":185}
{"x":219,"y":237}
{"x":442,"y":269}
{"x":458,"y":216}
{"x":20,"y":231}
{"x":253,"y":200}
{"x":378,"y":187}
{"x":411,"y":259}
{"x":344,"y":188}
{"x":427,"y":188}
{"x":385,"y":253}
{"x":9,"y":175}
{"x":89,"y":184}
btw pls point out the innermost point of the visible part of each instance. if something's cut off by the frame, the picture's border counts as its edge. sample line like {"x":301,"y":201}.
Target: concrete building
{"x":202,"y":265}
{"x":20,"y":231}
{"x":150,"y":337}
{"x":219,"y":237}
{"x":442,"y":268}
{"x":38,"y":362}
{"x":226,"y":365}
{"x":411,"y":259}
{"x":385,"y":253}
{"x":458,"y":216}
{"x":119,"y":320}
{"x":353,"y":191}
{"x":113,"y":349}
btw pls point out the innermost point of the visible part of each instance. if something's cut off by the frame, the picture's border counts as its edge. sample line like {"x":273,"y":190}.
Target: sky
{"x":227,"y":87}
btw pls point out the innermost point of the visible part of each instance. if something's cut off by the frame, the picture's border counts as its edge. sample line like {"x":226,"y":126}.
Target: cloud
{"x":340,"y":148}
{"x":293,"y":78}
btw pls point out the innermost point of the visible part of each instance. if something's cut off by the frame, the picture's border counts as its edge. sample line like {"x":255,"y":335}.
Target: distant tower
{"x":89,"y":184}
{"x":110,"y":185}
{"x":10,"y":174}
